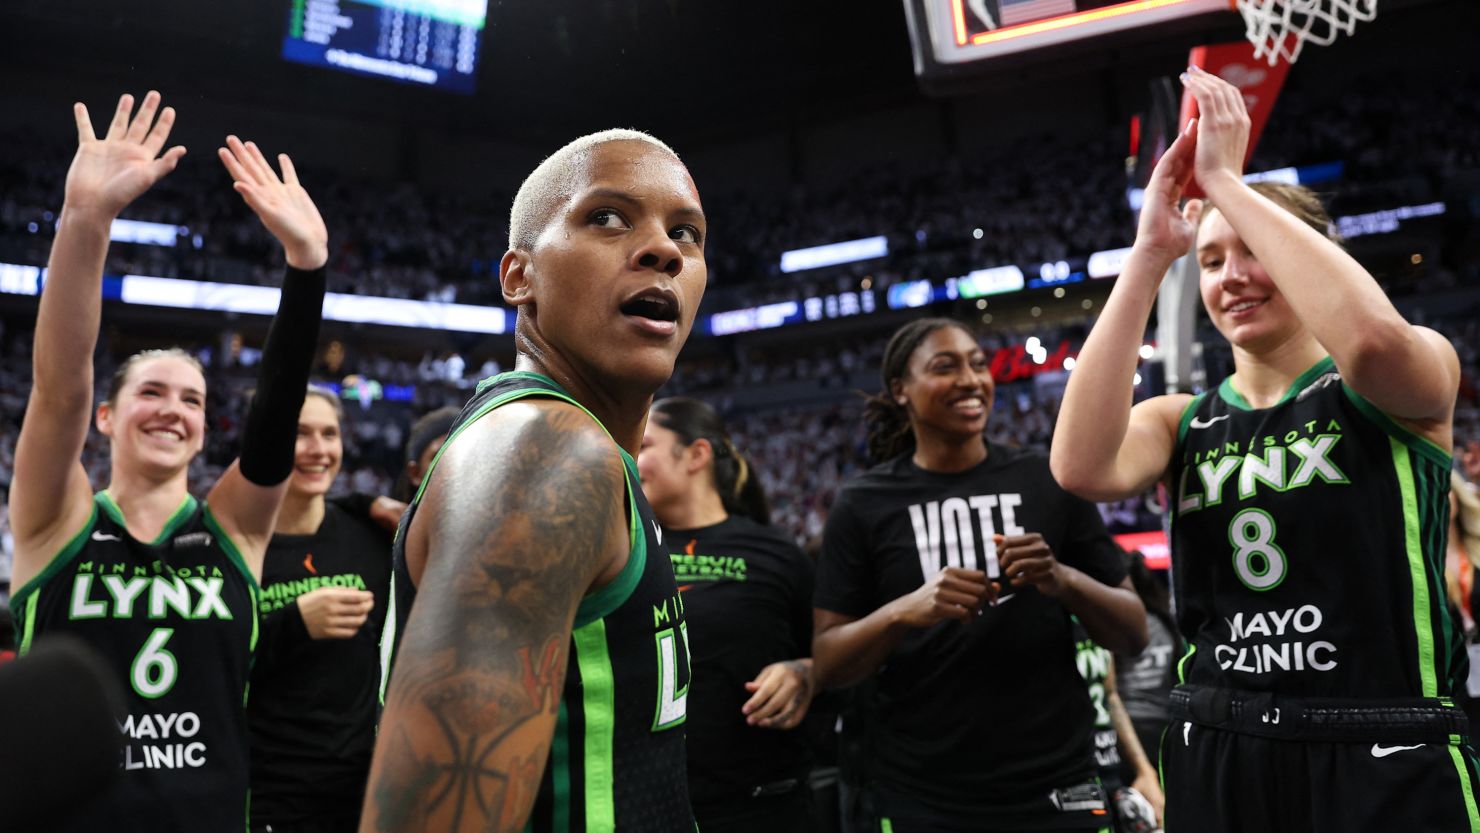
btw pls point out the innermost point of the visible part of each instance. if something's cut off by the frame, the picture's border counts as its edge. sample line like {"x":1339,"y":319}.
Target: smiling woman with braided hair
{"x":948,"y":575}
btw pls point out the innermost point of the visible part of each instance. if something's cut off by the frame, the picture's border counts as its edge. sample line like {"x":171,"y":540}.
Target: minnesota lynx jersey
{"x":176,"y":620}
{"x":617,"y":757}
{"x":1308,"y":546}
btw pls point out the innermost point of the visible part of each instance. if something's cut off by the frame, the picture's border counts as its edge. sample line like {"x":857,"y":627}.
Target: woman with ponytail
{"x":948,"y":576}
{"x":747,"y":590}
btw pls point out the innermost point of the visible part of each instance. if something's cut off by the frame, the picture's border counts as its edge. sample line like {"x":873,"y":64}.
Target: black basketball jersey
{"x":176,"y":620}
{"x":1093,"y":662}
{"x":617,"y":756}
{"x":1308,"y":547}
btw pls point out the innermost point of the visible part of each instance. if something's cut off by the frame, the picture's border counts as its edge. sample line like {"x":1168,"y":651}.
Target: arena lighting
{"x":1303,"y":175}
{"x":1107,"y":264}
{"x":16,"y":279}
{"x":151,"y":234}
{"x":1382,"y":222}
{"x":356,"y":309}
{"x":995,"y":281}
{"x":752,"y":318}
{"x":848,"y":251}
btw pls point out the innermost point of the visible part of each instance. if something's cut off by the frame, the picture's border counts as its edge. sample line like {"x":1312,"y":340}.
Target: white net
{"x":1279,"y":28}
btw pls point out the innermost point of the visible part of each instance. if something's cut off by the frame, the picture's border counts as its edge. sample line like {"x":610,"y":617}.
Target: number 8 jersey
{"x":176,"y":621}
{"x":1308,"y":547}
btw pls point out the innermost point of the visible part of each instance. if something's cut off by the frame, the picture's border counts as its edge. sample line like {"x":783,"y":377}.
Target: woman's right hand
{"x":954,"y":593}
{"x":109,"y":173}
{"x":335,"y":612}
{"x":1166,"y":230}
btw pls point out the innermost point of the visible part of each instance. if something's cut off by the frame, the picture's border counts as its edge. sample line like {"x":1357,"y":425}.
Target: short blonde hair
{"x":553,"y":181}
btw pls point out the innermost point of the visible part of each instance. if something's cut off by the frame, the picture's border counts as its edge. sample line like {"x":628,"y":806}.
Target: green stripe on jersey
{"x":560,"y":773}
{"x":1423,"y":445}
{"x":1187,"y":657}
{"x":599,"y":705}
{"x":1471,"y":810}
{"x":181,"y":514}
{"x":25,"y":598}
{"x":1187,"y":414}
{"x":1417,"y":569}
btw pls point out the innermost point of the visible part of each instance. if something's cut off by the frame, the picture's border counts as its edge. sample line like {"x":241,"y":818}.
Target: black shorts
{"x":1218,"y":780}
{"x":1076,"y":807}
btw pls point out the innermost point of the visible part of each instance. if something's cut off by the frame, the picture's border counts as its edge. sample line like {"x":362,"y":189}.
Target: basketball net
{"x":1280,"y":28}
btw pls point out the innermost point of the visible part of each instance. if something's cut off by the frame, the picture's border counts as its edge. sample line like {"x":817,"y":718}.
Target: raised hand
{"x":1222,"y":128}
{"x":109,"y":173}
{"x":281,"y":203}
{"x":1164,"y":229}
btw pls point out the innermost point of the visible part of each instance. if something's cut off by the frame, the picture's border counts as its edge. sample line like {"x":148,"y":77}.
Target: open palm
{"x":280,"y":202}
{"x":109,"y":173}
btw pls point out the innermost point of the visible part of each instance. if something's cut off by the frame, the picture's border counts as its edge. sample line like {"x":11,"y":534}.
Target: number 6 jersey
{"x":176,"y":620}
{"x":1308,"y":547}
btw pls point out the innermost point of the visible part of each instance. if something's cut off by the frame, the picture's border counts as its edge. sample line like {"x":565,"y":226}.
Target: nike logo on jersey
{"x":1384,"y":751}
{"x":658,"y":531}
{"x":308,"y":564}
{"x":103,"y":536}
{"x":1186,"y":734}
{"x":1205,"y":423}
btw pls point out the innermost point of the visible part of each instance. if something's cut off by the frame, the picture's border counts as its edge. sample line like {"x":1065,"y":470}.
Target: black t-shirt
{"x":312,"y":708}
{"x":747,"y":591}
{"x":968,"y":716}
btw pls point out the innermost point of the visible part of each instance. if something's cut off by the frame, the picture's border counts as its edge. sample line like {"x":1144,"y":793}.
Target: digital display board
{"x":430,"y":43}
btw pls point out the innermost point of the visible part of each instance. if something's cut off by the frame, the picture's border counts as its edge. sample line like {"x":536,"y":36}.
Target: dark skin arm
{"x":1113,"y":616}
{"x":847,"y":649}
{"x":510,"y":550}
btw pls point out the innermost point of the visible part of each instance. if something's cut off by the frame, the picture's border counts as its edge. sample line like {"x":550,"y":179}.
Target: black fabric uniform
{"x":984,"y":725}
{"x":617,"y":758}
{"x":176,"y":620}
{"x":747,"y":591}
{"x":1093,"y":662}
{"x":312,"y":711}
{"x":1144,"y":684}
{"x":1308,"y":562}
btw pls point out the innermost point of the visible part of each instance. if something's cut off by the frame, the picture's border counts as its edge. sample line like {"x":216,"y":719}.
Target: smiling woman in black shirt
{"x":948,"y":575}
{"x":324,"y":584}
{"x":746,"y":589}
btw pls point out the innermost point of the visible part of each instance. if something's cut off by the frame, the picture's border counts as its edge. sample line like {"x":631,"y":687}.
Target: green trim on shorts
{"x":1464,"y":782}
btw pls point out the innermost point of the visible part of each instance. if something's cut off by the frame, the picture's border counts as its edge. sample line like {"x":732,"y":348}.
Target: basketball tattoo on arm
{"x":473,"y":703}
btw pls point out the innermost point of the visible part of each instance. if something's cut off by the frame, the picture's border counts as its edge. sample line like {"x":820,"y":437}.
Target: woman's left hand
{"x":1027,"y":559}
{"x":1222,"y":128}
{"x":780,"y":695}
{"x":282,"y":204}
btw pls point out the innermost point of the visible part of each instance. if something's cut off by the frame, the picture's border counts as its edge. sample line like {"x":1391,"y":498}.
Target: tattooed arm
{"x":524,"y":515}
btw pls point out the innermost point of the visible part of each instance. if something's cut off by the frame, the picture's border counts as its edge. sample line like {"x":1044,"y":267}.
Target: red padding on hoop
{"x":1258,"y":81}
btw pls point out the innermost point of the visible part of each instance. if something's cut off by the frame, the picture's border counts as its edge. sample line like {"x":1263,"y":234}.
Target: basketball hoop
{"x":1279,"y":28}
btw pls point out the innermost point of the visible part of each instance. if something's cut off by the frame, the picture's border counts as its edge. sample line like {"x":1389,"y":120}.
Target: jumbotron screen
{"x":431,"y":43}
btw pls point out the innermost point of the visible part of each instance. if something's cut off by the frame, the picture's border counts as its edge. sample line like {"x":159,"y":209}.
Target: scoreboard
{"x":431,"y":43}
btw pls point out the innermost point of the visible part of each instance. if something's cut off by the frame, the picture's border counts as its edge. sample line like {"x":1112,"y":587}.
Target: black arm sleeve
{"x":271,"y":427}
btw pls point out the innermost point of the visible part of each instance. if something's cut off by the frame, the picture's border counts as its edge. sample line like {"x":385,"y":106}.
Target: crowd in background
{"x":1041,"y":198}
{"x":1038,"y":199}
